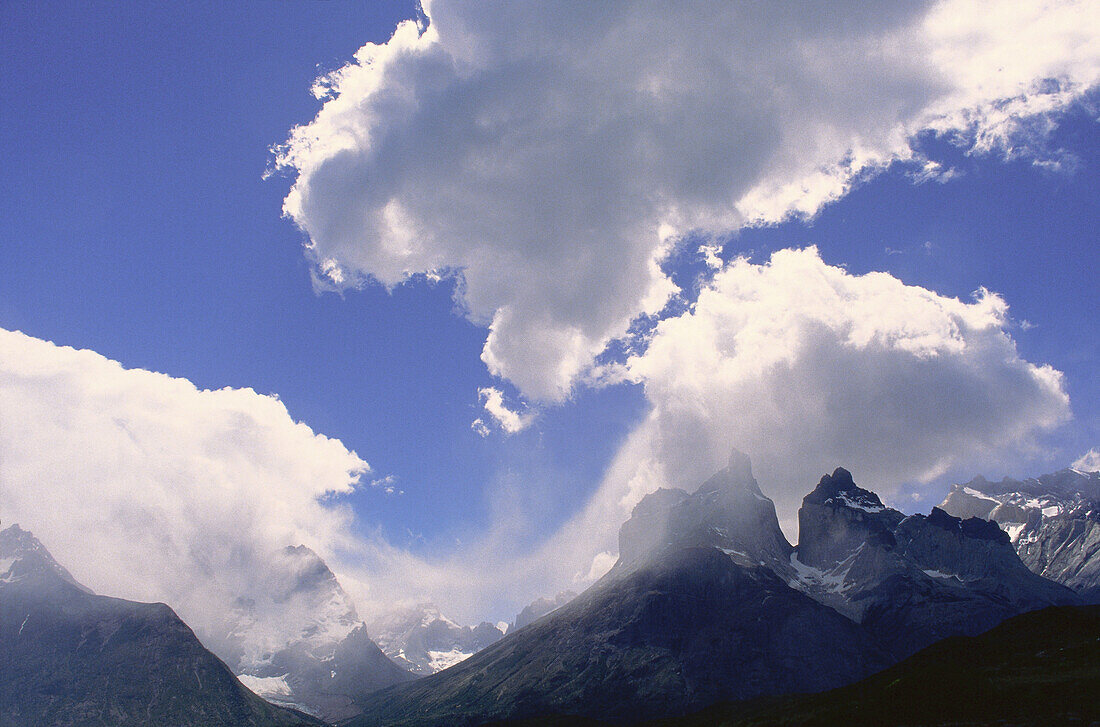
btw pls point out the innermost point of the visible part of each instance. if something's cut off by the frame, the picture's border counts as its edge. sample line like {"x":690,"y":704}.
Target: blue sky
{"x":139,"y":221}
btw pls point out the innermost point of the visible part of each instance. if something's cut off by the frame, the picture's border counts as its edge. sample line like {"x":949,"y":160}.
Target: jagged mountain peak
{"x":838,"y":517}
{"x":299,"y":641}
{"x":917,"y":578}
{"x":727,"y":512}
{"x":736,"y":477}
{"x":840,"y":489}
{"x":23,"y":557}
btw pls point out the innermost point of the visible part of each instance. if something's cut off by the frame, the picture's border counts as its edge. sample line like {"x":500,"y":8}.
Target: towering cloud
{"x":548,"y":153}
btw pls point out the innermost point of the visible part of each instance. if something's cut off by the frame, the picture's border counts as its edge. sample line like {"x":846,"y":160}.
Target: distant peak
{"x":25,"y":555}
{"x":843,"y":476}
{"x":840,"y":488}
{"x":736,"y":477}
{"x":14,"y":541}
{"x":739,"y":465}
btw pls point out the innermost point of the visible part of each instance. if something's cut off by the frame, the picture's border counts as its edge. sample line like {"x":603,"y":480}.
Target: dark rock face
{"x":838,"y":517}
{"x":1053,"y":522}
{"x":911,"y":580}
{"x":70,"y":657}
{"x":683,"y":631}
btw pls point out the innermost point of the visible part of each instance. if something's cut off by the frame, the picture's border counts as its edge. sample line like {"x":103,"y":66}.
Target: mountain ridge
{"x":69,"y":657}
{"x":1053,"y":522}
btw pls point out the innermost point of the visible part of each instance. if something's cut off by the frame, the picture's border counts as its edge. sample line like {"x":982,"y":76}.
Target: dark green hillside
{"x":1039,"y":668}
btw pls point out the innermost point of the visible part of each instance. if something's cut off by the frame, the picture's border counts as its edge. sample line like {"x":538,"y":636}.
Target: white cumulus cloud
{"x":806,"y":366}
{"x":803,"y":365}
{"x":549,"y":153}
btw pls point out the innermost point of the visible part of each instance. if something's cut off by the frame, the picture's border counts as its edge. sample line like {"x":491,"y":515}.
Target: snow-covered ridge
{"x":858,"y":503}
{"x":266,"y":687}
{"x":6,"y":575}
{"x":277,"y":691}
{"x":440,"y":660}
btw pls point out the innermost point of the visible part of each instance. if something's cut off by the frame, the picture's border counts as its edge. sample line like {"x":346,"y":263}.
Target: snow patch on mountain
{"x":6,"y":564}
{"x":440,"y":660}
{"x":267,"y":687}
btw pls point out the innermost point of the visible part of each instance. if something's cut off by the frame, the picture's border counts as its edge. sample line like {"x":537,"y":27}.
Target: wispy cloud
{"x":509,"y":420}
{"x":1089,"y":461}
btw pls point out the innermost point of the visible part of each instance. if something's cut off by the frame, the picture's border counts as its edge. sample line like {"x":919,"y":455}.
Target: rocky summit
{"x":728,"y":512}
{"x":300,"y":643}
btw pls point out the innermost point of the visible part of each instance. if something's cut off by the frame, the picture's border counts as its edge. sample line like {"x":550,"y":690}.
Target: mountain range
{"x":423,"y":641}
{"x":708,"y":602}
